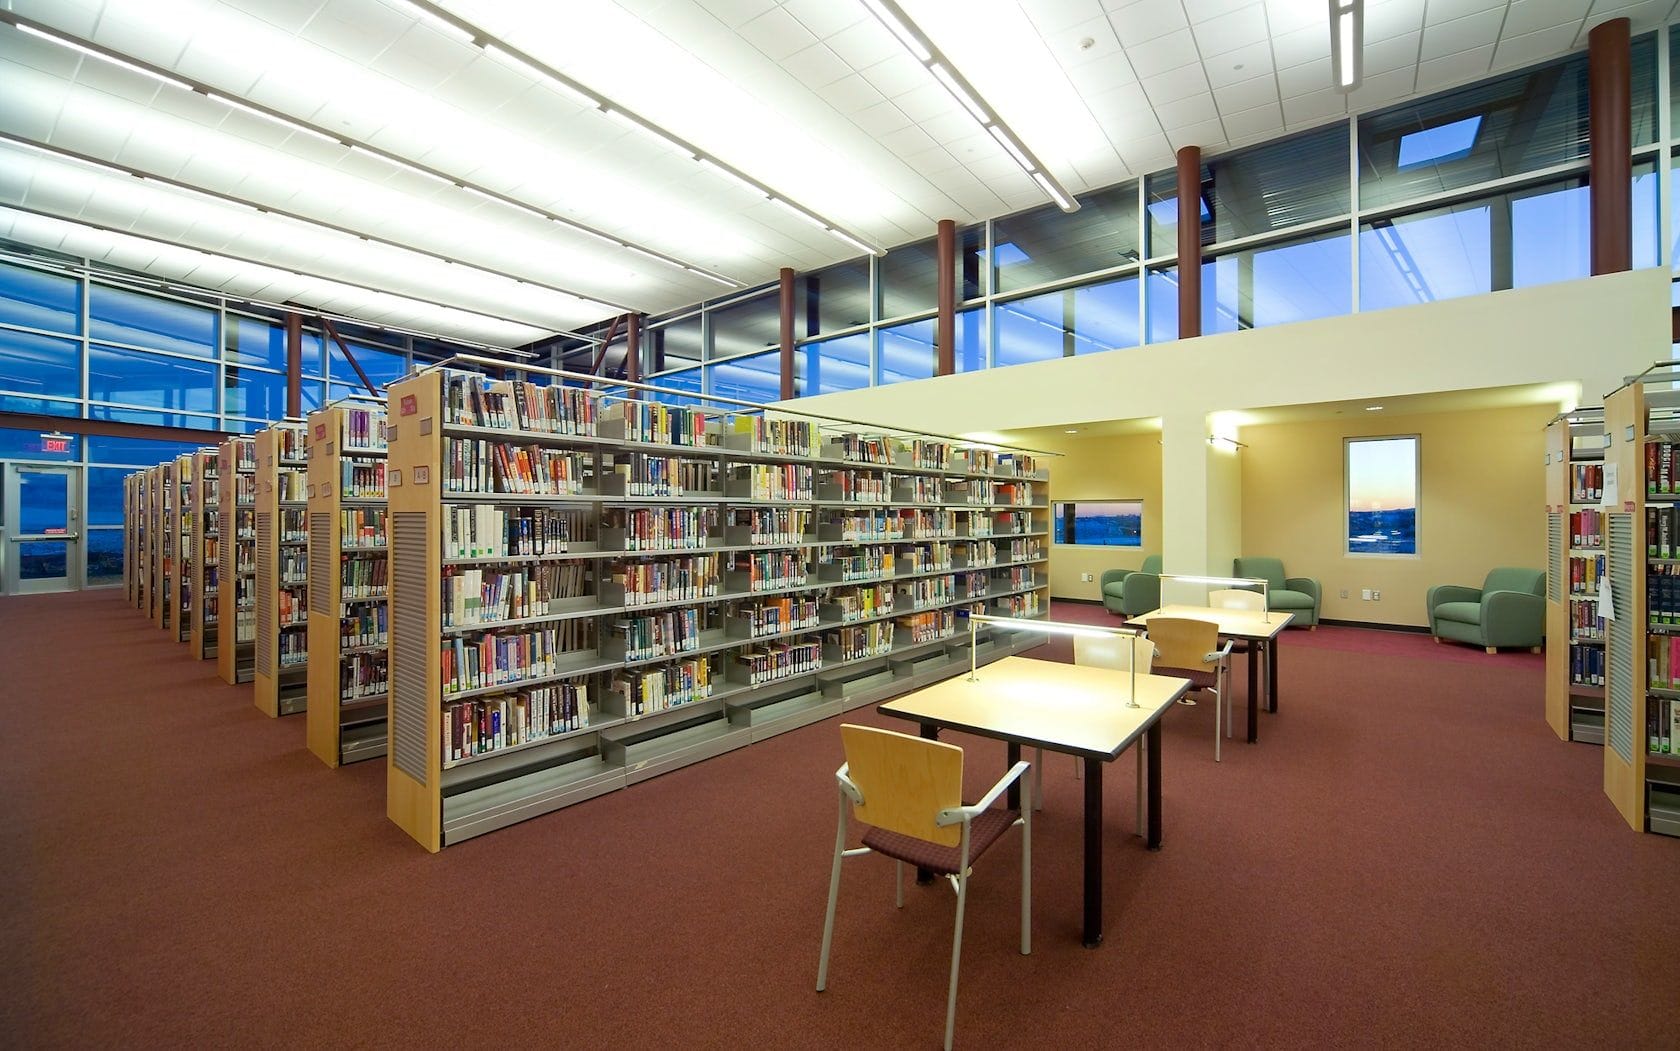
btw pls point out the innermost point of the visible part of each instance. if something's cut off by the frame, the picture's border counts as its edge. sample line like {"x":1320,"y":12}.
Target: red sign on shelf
{"x":409,"y":405}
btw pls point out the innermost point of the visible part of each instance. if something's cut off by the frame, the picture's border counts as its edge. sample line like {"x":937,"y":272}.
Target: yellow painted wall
{"x":1125,"y":467}
{"x":1483,"y":496}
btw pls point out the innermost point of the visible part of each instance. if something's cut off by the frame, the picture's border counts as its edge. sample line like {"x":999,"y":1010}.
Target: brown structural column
{"x":945,"y":330}
{"x":1189,"y":242}
{"x":1609,"y":120}
{"x":787,"y":370}
{"x":294,"y":365}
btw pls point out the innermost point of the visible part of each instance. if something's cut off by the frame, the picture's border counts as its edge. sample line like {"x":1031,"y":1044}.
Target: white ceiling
{"x":813,"y":99}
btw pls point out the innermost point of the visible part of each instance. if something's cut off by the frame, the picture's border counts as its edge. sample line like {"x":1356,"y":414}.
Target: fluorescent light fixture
{"x":1050,"y":627}
{"x":272,"y":118}
{"x":1347,"y":30}
{"x":889,"y":16}
{"x":1437,"y":145}
{"x":795,"y":210}
{"x":1053,"y":190}
{"x":132,"y":67}
{"x":849,"y":239}
{"x":436,"y":21}
{"x":1373,"y":408}
{"x":959,"y":91}
{"x":1007,"y":141}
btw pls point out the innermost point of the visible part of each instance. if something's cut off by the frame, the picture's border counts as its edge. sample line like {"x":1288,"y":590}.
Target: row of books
{"x":293,"y":564}
{"x":777,"y":617}
{"x":862,"y":602}
{"x":1586,"y":527}
{"x":484,"y":725}
{"x":290,"y":608}
{"x":1661,"y":476}
{"x":1662,"y":659}
{"x":929,"y":625}
{"x":662,"y":528}
{"x":650,"y":636}
{"x":365,"y":430}
{"x":361,"y":479}
{"x":774,"y":661}
{"x":294,"y":525}
{"x":245,"y":489}
{"x":643,"y":474}
{"x":668,"y":580}
{"x":244,"y":625}
{"x":1584,"y":622}
{"x":1027,"y":604}
{"x":1586,"y":665}
{"x":860,"y":641}
{"x":778,"y":437}
{"x":480,"y":596}
{"x":363,"y":675}
{"x":1662,"y":594}
{"x":245,"y":455}
{"x":361,"y":527}
{"x":496,"y":658}
{"x":1662,"y":726}
{"x":973,"y":585}
{"x":1584,"y":574}
{"x":484,"y":531}
{"x":293,"y":648}
{"x":776,"y":481}
{"x":867,"y":487}
{"x":771,"y":525}
{"x":1662,"y":532}
{"x":640,"y":421}
{"x":1021,"y":577}
{"x":474,"y":466}
{"x":935,"y":556}
{"x":361,"y":578}
{"x":645,"y":691}
{"x":1586,"y":482}
{"x":772,"y":570}
{"x":865,"y":563}
{"x":291,"y":485}
{"x":924,"y":591}
{"x":364,"y":624}
{"x":510,"y":405}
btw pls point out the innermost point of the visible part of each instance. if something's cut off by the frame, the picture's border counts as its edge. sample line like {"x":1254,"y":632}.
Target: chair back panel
{"x":905,"y":781}
{"x":1266,"y":568}
{"x":1151,"y":564}
{"x":1237,"y":598}
{"x":1509,"y":578}
{"x":1182,"y":642}
{"x":1113,"y":652}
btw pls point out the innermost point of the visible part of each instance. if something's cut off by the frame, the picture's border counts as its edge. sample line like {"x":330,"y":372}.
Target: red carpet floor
{"x":1408,"y":857}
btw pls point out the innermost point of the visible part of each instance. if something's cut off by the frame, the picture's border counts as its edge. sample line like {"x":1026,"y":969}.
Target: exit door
{"x":42,"y":546}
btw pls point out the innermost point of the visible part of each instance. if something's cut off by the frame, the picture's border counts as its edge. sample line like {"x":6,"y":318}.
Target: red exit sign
{"x":55,"y":445}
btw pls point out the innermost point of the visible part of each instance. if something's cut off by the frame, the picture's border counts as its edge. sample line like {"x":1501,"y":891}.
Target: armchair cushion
{"x":1133,"y":591}
{"x":1460,"y":612}
{"x":1298,"y":595}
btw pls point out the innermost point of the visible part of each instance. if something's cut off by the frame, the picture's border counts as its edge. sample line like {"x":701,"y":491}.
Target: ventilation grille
{"x":267,"y":562}
{"x":321,"y":560}
{"x":410,"y":650}
{"x":1619,"y":698}
{"x":1554,"y":556}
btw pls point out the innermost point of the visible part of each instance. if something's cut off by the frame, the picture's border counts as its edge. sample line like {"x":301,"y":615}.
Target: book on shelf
{"x":1586,"y":482}
{"x":362,"y":527}
{"x":507,"y":405}
{"x":362,"y":675}
{"x":503,"y":657}
{"x":1662,"y":726}
{"x":1586,"y":527}
{"x":650,"y":475}
{"x":860,"y":641}
{"x":770,"y":662}
{"x":364,"y":430}
{"x":1586,"y":665}
{"x":479,"y":596}
{"x":645,"y":691}
{"x":362,"y":479}
{"x":691,"y":578}
{"x":487,"y":531}
{"x":658,"y":528}
{"x":364,"y":624}
{"x":651,"y":636}
{"x":488,"y":724}
{"x":1662,"y":594}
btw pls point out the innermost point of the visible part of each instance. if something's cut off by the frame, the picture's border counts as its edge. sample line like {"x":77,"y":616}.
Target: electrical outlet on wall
{"x":1376,"y":596}
{"x":1365,"y":594}
{"x":1086,"y":577}
{"x":1344,"y":592}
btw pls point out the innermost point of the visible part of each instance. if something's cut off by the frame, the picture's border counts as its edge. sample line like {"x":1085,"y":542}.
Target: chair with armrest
{"x":908,"y":791}
{"x":1298,"y":595}
{"x":1190,"y":648}
{"x":1239,"y":598}
{"x":1509,"y":609}
{"x":1129,"y":592}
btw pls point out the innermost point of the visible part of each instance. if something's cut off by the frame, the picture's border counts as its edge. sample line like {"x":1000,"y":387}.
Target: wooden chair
{"x":909,"y":791}
{"x":1240,"y":598}
{"x":1189,"y":647}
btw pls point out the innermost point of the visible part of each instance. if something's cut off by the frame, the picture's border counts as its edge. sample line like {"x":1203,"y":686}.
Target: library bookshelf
{"x":1575,"y":630}
{"x":163,"y":546}
{"x":236,"y":468}
{"x":131,"y":537}
{"x":348,"y":570}
{"x":280,"y":654}
{"x":206,"y":548}
{"x":144,"y":481}
{"x":627,"y":588}
{"x":186,"y":494}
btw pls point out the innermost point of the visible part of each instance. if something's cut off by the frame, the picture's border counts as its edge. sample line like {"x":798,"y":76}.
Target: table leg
{"x":1011,"y":756}
{"x":1154,"y":740}
{"x":1271,"y":674}
{"x":1253,"y":691}
{"x":931,"y":733}
{"x":1093,"y":853}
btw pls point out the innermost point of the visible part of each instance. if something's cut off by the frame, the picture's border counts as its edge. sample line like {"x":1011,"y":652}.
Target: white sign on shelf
{"x":1611,"y":497}
{"x":1606,"y":605}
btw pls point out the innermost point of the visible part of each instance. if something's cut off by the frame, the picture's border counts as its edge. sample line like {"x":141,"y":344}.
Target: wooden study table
{"x":1060,"y":708}
{"x":1250,"y":625}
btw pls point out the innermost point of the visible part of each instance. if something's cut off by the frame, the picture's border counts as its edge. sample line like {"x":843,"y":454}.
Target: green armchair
{"x":1129,"y":592}
{"x":1298,"y":595}
{"x":1509,"y":609}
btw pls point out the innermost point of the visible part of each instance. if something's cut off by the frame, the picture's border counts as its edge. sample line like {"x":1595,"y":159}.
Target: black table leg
{"x":1011,"y":756}
{"x":931,"y":733}
{"x":1271,"y":674}
{"x":1253,"y":691}
{"x":1153,"y":738}
{"x":1093,"y":853}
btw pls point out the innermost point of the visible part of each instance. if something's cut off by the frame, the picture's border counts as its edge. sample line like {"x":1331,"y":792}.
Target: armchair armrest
{"x":957,"y":815}
{"x":1513,"y":618}
{"x":1143,"y":593}
{"x":848,"y":787}
{"x":1221,"y":654}
{"x":1448,"y":593}
{"x":1109,"y":576}
{"x":1305,"y":585}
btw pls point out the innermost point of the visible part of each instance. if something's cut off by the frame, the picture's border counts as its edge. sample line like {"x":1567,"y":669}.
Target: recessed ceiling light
{"x":1073,"y":430}
{"x":1373,"y":408}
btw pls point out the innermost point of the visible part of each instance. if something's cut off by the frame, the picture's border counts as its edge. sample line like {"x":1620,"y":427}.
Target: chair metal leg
{"x":1026,"y":881}
{"x":834,"y":896}
{"x":956,"y":943}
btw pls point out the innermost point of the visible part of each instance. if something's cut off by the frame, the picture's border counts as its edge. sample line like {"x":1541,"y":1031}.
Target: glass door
{"x":42,"y":545}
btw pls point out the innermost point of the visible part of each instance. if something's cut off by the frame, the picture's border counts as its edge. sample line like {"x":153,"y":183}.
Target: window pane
{"x":18,"y":444}
{"x":971,"y":340}
{"x":1277,"y":185}
{"x":674,"y":345}
{"x":37,"y":299}
{"x":754,"y":378}
{"x":261,"y":395}
{"x":1163,"y":304}
{"x":687,"y":381}
{"x":244,"y":426}
{"x":104,"y":554}
{"x":1513,"y":124}
{"x":122,"y":316}
{"x":1048,"y":244}
{"x":134,"y":377}
{"x":747,"y":327}
{"x":254,"y":342}
{"x":1382,"y":503}
{"x":383,"y":366}
{"x":906,"y":352}
{"x":1277,"y":284}
{"x":135,"y":452}
{"x":909,"y":280}
{"x":105,"y":495}
{"x":833,"y":298}
{"x":837,"y":364}
{"x":1161,"y":211}
{"x":1085,"y":320}
{"x":1646,"y":237}
{"x":154,"y":417}
{"x":39,"y":365}
{"x":1105,"y":316}
{"x":971,"y":263}
{"x":1034,"y":329}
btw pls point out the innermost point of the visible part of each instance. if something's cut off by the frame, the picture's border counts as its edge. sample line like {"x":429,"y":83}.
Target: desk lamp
{"x":1265,"y":599}
{"x":1049,"y":627}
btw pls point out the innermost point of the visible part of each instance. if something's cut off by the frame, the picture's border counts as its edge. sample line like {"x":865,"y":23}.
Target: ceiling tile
{"x":1301,"y":45}
{"x":1644,"y":15}
{"x":1287,"y":16}
{"x":1461,"y":34}
{"x":1209,"y":136}
{"x":1533,"y":47}
{"x":896,"y":75}
{"x":1251,"y":124}
{"x":1147,"y":20}
{"x":1241,"y":28}
{"x":1305,"y":78}
{"x":1531,"y":16}
{"x":1314,"y":108}
{"x":1196,"y":109}
{"x":1454,"y":69}
{"x":851,"y":94}
{"x":1399,"y":52}
{"x":1098,"y":77}
{"x":1207,"y":10}
{"x":824,"y":18}
{"x":1383,"y":87}
{"x":1176,"y":84}
{"x":1245,"y":63}
{"x":733,"y":13}
{"x":777,"y":34}
{"x":925,"y":102}
{"x":1447,"y":10}
{"x":1392,"y":18}
{"x":1067,"y":45}
{"x":817,"y":66}
{"x":1052,"y":15}
{"x":1163,"y":53}
{"x":1248,"y":94}
{"x":1116,"y":108}
{"x":864,"y":43}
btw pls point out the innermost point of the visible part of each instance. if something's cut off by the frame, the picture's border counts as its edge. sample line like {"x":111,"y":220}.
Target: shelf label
{"x":320,"y":431}
{"x":394,"y":478}
{"x":422,"y":474}
{"x":1611,"y":494}
{"x":409,"y":405}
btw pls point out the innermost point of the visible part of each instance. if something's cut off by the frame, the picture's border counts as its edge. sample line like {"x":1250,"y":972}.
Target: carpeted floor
{"x":1409,"y":857}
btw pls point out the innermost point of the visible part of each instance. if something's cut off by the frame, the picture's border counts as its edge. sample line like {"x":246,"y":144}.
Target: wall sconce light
{"x":1230,"y":445}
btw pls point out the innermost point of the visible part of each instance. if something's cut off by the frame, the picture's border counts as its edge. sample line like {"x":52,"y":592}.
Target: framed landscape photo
{"x":1100,"y":523}
{"x":1382,"y":495}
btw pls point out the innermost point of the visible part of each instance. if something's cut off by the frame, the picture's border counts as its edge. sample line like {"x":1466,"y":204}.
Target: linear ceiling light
{"x":442,"y":23}
{"x":1347,"y":33}
{"x":889,"y":15}
{"x":392,"y":159}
